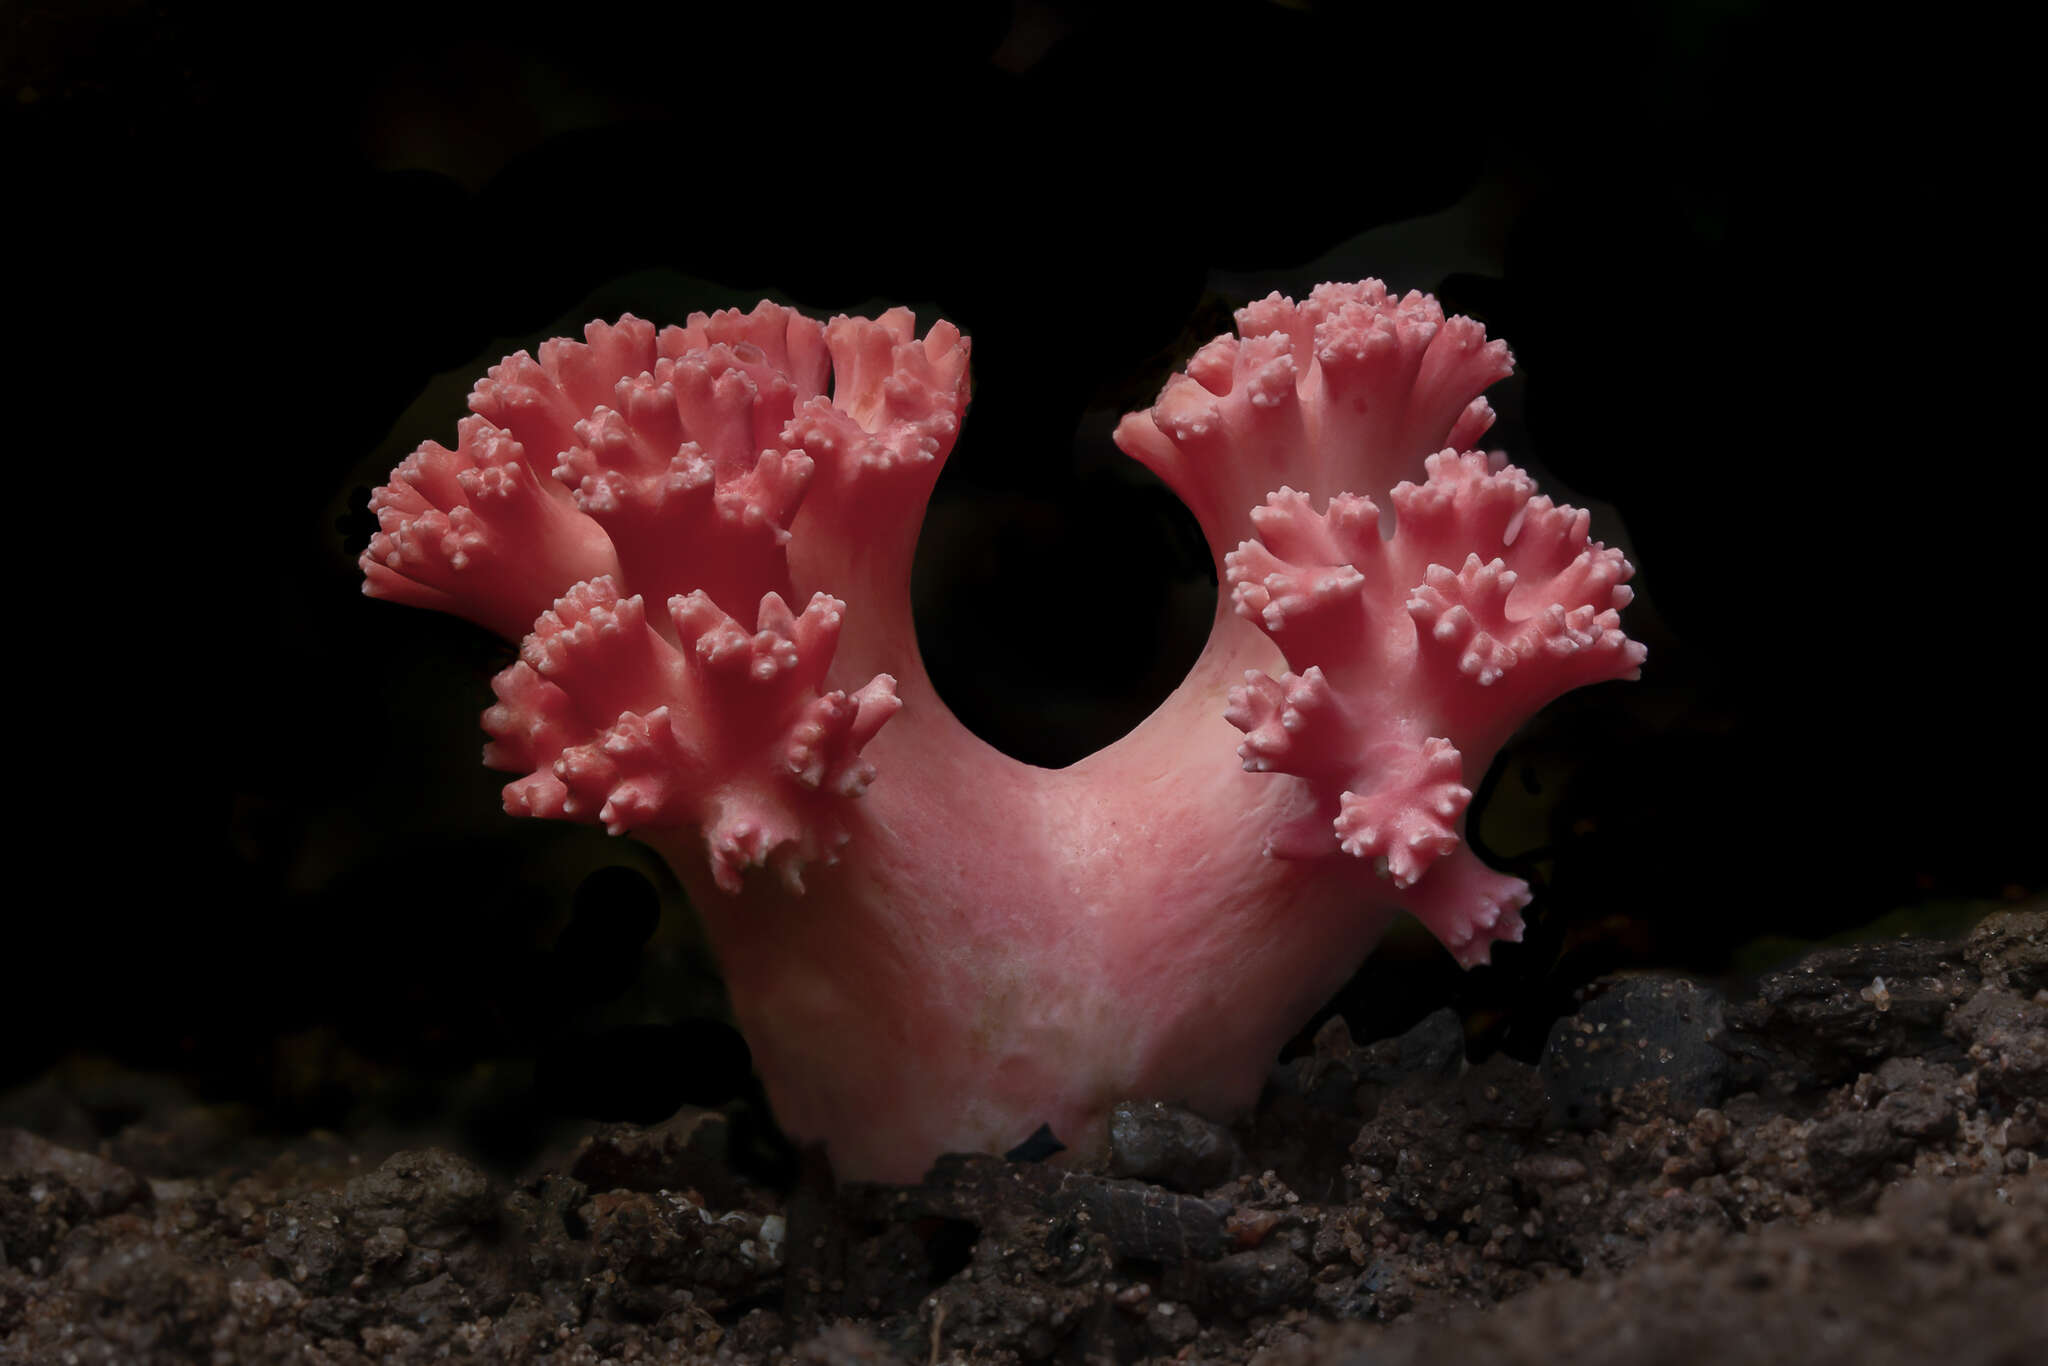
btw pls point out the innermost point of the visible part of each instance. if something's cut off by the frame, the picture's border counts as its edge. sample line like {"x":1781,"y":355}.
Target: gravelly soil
{"x":1847,"y":1165}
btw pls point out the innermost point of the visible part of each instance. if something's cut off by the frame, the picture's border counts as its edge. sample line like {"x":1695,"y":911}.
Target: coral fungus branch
{"x":929,"y":945}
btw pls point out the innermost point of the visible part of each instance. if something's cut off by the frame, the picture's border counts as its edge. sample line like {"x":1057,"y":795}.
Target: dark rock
{"x":1138,"y":1220}
{"x":1170,"y":1147}
{"x":35,"y":1211}
{"x":310,"y":1245}
{"x":435,"y":1196}
{"x":684,"y":1152}
{"x":162,"y":1299}
{"x":1639,"y":1032}
{"x":1499,"y":1094}
{"x":2010,"y":949}
{"x":1433,"y":1048}
{"x":2008,"y":1040}
{"x":1424,"y":1160}
{"x":1839,"y":1011}
{"x":1918,"y":1099}
{"x":1257,"y":1282}
{"x":387,"y":1244}
{"x":106,"y":1187}
{"x":669,"y":1239}
{"x":432,"y":1308}
{"x":1329,"y":1078}
{"x":544,"y":1215}
{"x":1848,"y":1149}
{"x":333,"y":1316}
{"x":1143,"y":1221}
{"x":1343,"y":1297}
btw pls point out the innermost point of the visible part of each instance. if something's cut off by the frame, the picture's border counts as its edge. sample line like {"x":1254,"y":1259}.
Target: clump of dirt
{"x":1848,"y":1164}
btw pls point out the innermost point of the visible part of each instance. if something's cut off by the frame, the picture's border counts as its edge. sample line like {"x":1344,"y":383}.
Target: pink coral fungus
{"x":704,"y":536}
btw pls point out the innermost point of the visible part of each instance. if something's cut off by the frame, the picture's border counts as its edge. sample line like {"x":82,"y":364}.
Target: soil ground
{"x":1844,"y":1163}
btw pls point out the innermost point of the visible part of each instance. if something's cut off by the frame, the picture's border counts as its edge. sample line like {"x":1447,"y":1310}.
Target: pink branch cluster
{"x":947,"y":948}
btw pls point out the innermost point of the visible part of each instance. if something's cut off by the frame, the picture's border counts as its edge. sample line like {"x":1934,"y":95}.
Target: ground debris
{"x":1840,"y":1011}
{"x":1170,"y":1147}
{"x":2010,"y":949}
{"x":1846,"y":1165}
{"x":1136,"y":1219}
{"x":1897,"y":1286}
{"x":1641,"y":1032}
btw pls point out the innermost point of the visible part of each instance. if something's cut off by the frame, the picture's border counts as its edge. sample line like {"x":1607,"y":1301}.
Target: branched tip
{"x":727,"y":732}
{"x":479,"y":532}
{"x":672,"y":466}
{"x":1349,"y":389}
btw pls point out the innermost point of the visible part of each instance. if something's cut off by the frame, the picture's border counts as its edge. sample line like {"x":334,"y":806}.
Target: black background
{"x":1761,"y":266}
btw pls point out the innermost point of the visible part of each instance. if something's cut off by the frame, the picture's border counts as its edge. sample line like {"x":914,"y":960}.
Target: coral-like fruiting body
{"x":728,"y":734}
{"x":945,"y":948}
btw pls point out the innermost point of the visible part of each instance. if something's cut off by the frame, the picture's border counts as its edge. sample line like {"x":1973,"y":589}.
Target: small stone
{"x":1170,"y":1147}
{"x":1650,"y":1034}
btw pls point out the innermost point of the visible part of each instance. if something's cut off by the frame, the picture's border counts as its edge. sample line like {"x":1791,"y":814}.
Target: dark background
{"x":1762,"y":268}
